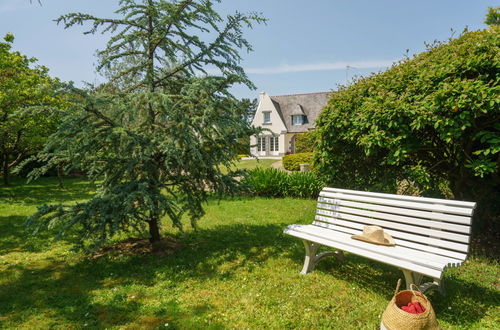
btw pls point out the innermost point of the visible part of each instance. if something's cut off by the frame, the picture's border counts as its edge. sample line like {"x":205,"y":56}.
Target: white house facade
{"x":282,"y":118}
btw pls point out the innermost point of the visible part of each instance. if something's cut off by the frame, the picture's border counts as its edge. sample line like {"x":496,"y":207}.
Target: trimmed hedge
{"x":305,"y":142}
{"x":292,"y":162}
{"x":433,"y":120}
{"x":271,"y":182}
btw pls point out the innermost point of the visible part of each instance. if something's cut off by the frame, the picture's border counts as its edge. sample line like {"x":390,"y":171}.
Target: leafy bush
{"x":268,"y":182}
{"x":304,"y":185}
{"x":433,"y":119}
{"x":292,"y":162}
{"x":271,"y":182}
{"x":304,"y":142}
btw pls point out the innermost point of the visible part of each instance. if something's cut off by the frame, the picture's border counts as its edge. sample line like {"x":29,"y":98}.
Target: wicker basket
{"x":394,"y":318}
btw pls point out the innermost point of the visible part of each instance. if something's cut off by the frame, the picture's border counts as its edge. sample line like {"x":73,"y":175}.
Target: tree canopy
{"x":27,"y":95}
{"x":160,"y":135}
{"x":433,"y":120}
{"x":493,"y":16}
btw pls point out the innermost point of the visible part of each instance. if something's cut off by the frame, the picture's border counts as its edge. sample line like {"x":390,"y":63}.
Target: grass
{"x":237,"y":271}
{"x":248,"y":164}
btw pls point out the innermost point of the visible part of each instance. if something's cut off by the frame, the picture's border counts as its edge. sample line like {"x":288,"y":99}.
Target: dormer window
{"x":298,"y":120}
{"x":298,"y":116}
{"x":267,"y":117}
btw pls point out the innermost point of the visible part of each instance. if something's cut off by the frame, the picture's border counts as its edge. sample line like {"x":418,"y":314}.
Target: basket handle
{"x":416,"y":287}
{"x":397,"y":287}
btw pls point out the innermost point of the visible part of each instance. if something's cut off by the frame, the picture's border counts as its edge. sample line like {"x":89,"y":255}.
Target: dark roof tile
{"x":311,"y":104}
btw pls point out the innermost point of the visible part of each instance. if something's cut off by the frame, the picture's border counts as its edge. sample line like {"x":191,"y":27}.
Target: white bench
{"x":430,"y":234}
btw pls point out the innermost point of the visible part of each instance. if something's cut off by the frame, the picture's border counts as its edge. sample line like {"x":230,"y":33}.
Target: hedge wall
{"x":292,"y":162}
{"x":304,"y":142}
{"x":433,"y":120}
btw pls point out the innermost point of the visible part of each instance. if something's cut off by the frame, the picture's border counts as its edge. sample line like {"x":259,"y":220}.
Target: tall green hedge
{"x":433,"y":120}
{"x":292,"y":162}
{"x":305,"y":142}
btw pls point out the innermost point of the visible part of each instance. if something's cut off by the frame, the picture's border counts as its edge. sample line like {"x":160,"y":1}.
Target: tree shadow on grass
{"x":60,"y":291}
{"x":46,"y":191}
{"x":22,"y":199}
{"x":15,"y":237}
{"x":98,"y":295}
{"x":12,"y":233}
{"x":69,"y":291}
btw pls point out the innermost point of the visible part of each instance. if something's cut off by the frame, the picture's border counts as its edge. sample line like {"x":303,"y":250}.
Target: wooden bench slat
{"x":367,"y":254}
{"x":448,"y":254}
{"x":401,"y":211}
{"x":396,"y":225}
{"x":411,"y":237}
{"x":450,"y":202}
{"x":423,"y":258}
{"x":398,"y":218}
{"x":401,"y":204}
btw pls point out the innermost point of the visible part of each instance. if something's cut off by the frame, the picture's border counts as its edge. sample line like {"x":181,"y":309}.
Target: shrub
{"x":304,"y":185}
{"x":304,"y":142}
{"x":432,"y":119}
{"x":271,"y":182}
{"x":292,"y":162}
{"x":268,"y":182}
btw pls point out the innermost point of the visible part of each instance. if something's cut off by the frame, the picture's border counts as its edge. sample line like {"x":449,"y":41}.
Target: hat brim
{"x":388,"y":240}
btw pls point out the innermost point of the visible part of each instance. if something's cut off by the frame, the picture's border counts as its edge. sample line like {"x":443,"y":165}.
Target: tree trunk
{"x":5,"y":169}
{"x":154,"y":232}
{"x":59,"y":176}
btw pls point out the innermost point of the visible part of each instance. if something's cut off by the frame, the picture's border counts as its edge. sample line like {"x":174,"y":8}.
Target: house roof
{"x":309,"y":104}
{"x":298,"y":111}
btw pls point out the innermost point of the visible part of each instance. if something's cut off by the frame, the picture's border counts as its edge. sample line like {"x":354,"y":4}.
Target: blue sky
{"x":305,"y":47}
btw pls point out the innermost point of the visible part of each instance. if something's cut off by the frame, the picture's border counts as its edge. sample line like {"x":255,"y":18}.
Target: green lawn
{"x":237,"y":271}
{"x":248,"y":164}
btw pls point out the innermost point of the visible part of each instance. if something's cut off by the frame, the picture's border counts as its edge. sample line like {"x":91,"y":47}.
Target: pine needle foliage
{"x":159,"y":137}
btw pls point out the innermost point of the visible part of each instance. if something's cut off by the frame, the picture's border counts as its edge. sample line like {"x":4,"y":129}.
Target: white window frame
{"x":273,"y":143}
{"x":301,"y":121}
{"x":261,"y":143}
{"x":266,"y":115}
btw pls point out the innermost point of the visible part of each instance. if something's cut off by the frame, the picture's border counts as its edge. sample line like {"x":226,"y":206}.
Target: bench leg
{"x":440,"y":286}
{"x":337,"y":254}
{"x":415,"y":278}
{"x":309,"y":261}
{"x":412,"y":278}
{"x":311,"y":258}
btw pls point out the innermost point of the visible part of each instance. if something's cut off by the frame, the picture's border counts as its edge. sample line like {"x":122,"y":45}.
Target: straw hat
{"x":375,"y":235}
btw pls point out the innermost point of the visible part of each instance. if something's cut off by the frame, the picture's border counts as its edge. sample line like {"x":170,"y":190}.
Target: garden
{"x":237,"y":270}
{"x":128,"y":205}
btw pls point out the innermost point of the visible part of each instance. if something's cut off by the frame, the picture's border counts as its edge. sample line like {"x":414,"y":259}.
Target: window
{"x":273,"y":143}
{"x":267,"y":117}
{"x":261,"y":143}
{"x":298,"y":120}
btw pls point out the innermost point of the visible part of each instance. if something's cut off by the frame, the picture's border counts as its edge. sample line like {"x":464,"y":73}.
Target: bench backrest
{"x":433,"y":225}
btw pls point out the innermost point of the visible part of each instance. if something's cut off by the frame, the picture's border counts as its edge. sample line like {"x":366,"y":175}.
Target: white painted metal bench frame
{"x":430,"y":234}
